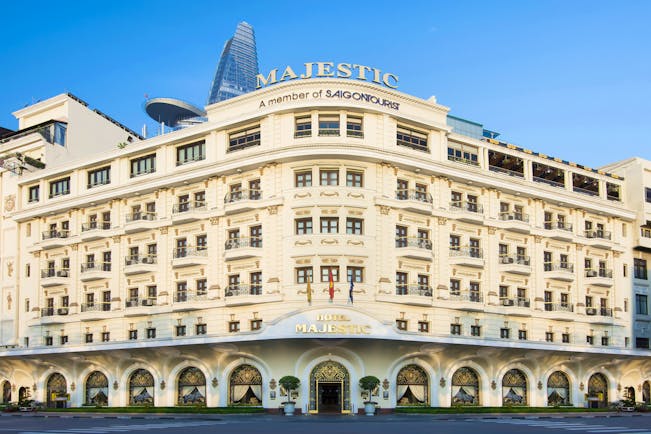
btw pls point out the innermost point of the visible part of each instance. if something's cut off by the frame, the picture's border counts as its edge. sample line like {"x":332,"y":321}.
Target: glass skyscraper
{"x":238,"y":66}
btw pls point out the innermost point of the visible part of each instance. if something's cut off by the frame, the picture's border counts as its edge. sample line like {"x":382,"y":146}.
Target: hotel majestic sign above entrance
{"x":329,"y":70}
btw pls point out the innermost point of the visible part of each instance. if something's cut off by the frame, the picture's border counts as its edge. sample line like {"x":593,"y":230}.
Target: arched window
{"x":465,"y":387}
{"x":97,"y":389}
{"x":412,"y":386}
{"x":6,"y":392}
{"x":191,"y":387}
{"x":514,"y":388}
{"x":245,"y":386}
{"x":598,"y":390}
{"x":646,"y":392}
{"x":141,"y":388}
{"x":558,"y":389}
{"x":57,"y":390}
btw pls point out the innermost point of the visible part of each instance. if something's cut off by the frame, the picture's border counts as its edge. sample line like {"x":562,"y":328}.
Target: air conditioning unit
{"x":590,"y":234}
{"x":148,"y":260}
{"x":590,"y":310}
{"x":506,"y":260}
{"x":507,"y":302}
{"x":62,"y":311}
{"x":132,"y":303}
{"x":63,"y":273}
{"x":148,"y":302}
{"x":591,"y":273}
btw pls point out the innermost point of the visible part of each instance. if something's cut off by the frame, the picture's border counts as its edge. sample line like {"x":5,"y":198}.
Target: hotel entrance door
{"x":329,"y":398}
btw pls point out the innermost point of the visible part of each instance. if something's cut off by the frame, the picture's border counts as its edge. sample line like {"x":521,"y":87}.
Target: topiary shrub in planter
{"x":289,"y":383}
{"x":369,"y":383}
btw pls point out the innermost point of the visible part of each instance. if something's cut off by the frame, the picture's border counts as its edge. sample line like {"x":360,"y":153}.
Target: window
{"x":421,"y":193}
{"x":641,"y":304}
{"x":641,"y":342}
{"x":34,"y":192}
{"x":401,"y":324}
{"x":423,"y":326}
{"x":522,"y":335}
{"x":201,"y":329}
{"x":303,"y":178}
{"x":303,"y":226}
{"x":106,"y":336}
{"x":256,"y":324}
{"x":303,"y":274}
{"x":639,"y":269}
{"x":455,"y":329}
{"x":455,"y":242}
{"x":329,"y":225}
{"x":202,"y":286}
{"x":589,"y":340}
{"x":505,"y":333}
{"x":547,"y":261}
{"x":463,"y":154}
{"x":401,"y":283}
{"x":151,"y":333}
{"x":354,"y":226}
{"x":88,"y":338}
{"x":101,"y":176}
{"x":255,"y":280}
{"x":254,"y":189}
{"x":354,"y":179}
{"x":244,"y":138}
{"x":329,"y":177}
{"x":180,"y":330}
{"x":48,"y":341}
{"x":354,"y":127}
{"x":191,"y":152}
{"x":325,"y":273}
{"x":565,"y":338}
{"x":455,"y":287}
{"x":474,"y":292}
{"x":604,"y":341}
{"x":133,"y":335}
{"x":234,"y":326}
{"x":202,"y":242}
{"x":60,"y":187}
{"x":303,"y":127}
{"x":255,"y":234}
{"x":356,"y":274}
{"x":647,"y":193}
{"x":401,"y":236}
{"x":402,"y":189}
{"x":329,"y":125}
{"x":143,"y":165}
{"x":475,"y":330}
{"x":410,"y":138}
{"x":549,"y":337}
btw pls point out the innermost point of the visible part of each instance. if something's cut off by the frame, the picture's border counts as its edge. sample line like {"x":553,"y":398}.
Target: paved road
{"x":389,"y":424}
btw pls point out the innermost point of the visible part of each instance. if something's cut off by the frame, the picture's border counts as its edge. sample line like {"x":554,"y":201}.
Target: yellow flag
{"x":309,"y":292}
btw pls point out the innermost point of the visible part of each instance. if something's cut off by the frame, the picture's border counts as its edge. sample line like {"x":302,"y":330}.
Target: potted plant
{"x":289,"y":383}
{"x":369,"y":383}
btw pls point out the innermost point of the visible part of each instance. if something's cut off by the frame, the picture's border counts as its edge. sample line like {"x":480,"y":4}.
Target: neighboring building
{"x":238,"y":66}
{"x":175,"y":270}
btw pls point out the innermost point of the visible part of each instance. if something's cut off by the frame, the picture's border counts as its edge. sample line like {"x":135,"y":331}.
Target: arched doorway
{"x":558,"y":389}
{"x":6,"y":392}
{"x":646,"y":392}
{"x":598,"y":391}
{"x":514,"y":388}
{"x":245,"y":386}
{"x":465,"y":387}
{"x":141,"y":388}
{"x":630,"y":393}
{"x":329,"y":388}
{"x":97,"y":389}
{"x":412,"y":386}
{"x":23,"y":394}
{"x":57,"y":391}
{"x":191,"y":387}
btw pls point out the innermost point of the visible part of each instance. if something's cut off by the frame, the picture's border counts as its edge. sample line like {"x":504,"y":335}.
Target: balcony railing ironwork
{"x":239,"y":195}
{"x":243,"y":289}
{"x":417,"y":195}
{"x":237,"y":243}
{"x":421,"y":243}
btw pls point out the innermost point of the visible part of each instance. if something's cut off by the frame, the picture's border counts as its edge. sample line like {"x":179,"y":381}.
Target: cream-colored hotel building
{"x":174,"y":270}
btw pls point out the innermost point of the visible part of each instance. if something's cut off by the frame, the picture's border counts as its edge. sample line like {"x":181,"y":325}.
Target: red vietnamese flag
{"x":331,"y":285}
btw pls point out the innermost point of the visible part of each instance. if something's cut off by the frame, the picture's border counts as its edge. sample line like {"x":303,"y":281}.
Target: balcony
{"x":94,"y":230}
{"x":95,"y":271}
{"x":516,"y":264}
{"x":243,"y":247}
{"x":644,"y":239}
{"x":599,"y":311}
{"x":559,"y":270}
{"x":560,"y":311}
{"x":412,"y":247}
{"x":468,"y":256}
{"x":189,"y":256}
{"x":140,"y":264}
{"x":189,"y":300}
{"x":243,"y":294}
{"x":140,"y":221}
{"x":598,"y":238}
{"x":600,"y":277}
{"x":53,"y":315}
{"x":138,"y":302}
{"x":55,"y":277}
{"x":559,"y":230}
{"x":185,"y":212}
{"x":515,"y":221}
{"x":414,"y":289}
{"x":415,"y":200}
{"x":242,"y":200}
{"x":413,"y":294}
{"x":470,"y":212}
{"x":515,"y":302}
{"x":54,"y":238}
{"x":469,"y":300}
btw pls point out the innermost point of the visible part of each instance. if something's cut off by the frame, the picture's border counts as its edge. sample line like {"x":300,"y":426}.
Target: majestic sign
{"x":333,"y":324}
{"x":332,"y":70}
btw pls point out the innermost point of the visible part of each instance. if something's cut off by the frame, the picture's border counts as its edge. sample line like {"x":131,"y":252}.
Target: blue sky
{"x":571,"y":79}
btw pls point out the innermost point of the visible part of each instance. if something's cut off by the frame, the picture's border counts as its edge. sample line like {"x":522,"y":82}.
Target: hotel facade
{"x":175,"y":270}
